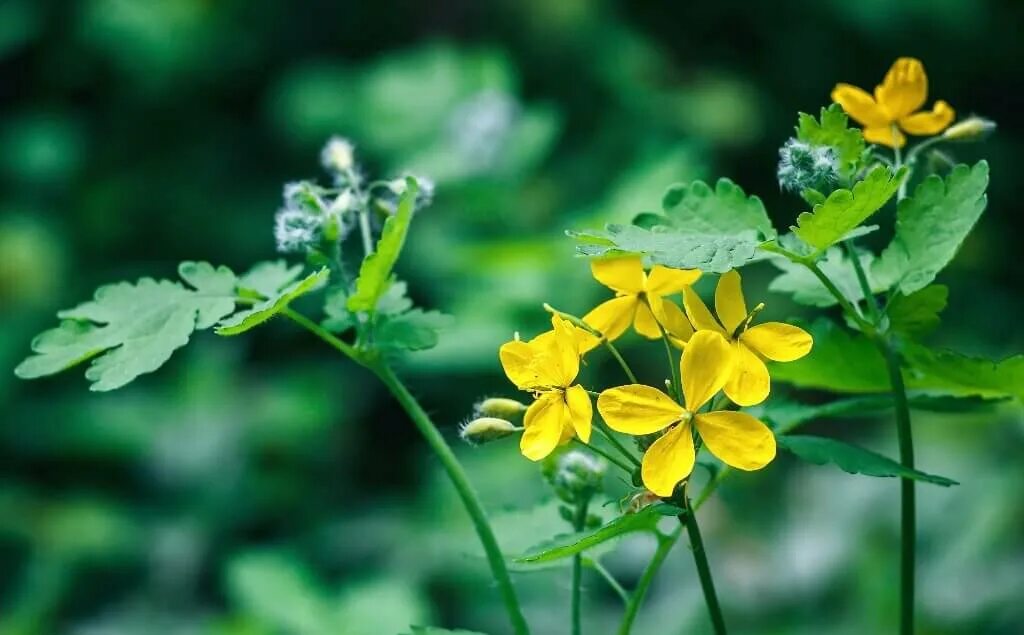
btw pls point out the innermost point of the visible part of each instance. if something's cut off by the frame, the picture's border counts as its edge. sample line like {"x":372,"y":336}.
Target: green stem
{"x":865,"y":326}
{"x":607,"y":455}
{"x":609,"y":578}
{"x":901,"y":193}
{"x":862,"y":279}
{"x":579,"y":522}
{"x":677,"y":385}
{"x":908,"y":511}
{"x":665,"y":544}
{"x":610,"y":436}
{"x":621,"y":360}
{"x":346,"y":349}
{"x":707,"y":583}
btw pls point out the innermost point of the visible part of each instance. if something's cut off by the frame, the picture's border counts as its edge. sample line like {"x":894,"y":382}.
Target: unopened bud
{"x":486,"y":429}
{"x":577,"y":476}
{"x":971,"y":129}
{"x":337,"y":155}
{"x":803,"y":166}
{"x":501,"y":408}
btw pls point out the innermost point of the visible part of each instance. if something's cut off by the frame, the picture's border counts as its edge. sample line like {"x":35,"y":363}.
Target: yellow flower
{"x":639,"y":297}
{"x":547,"y":366}
{"x":895,"y":105}
{"x":749,"y":382}
{"x":736,"y":438}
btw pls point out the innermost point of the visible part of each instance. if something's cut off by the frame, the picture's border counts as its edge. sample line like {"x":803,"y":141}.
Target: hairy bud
{"x":501,"y":408}
{"x":338,"y":155}
{"x":486,"y":429}
{"x":575,"y":475}
{"x":803,"y":166}
{"x":973,"y":128}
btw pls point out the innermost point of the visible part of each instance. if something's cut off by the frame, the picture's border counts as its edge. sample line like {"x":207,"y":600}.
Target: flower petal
{"x":778,"y":341}
{"x":543,"y":424}
{"x":673,"y":319}
{"x":749,"y":383}
{"x":517,"y":361}
{"x":706,"y":365}
{"x":645,"y":323}
{"x":564,"y":351}
{"x":738,"y":439}
{"x":859,"y":105}
{"x":625,"y":275}
{"x":904,"y":88}
{"x":581,"y":411}
{"x":697,"y":311}
{"x":665,"y":280}
{"x":888,"y":136}
{"x":613,"y":317}
{"x":669,"y":460}
{"x":729,"y":303}
{"x":637,"y":409}
{"x":585,"y":340}
{"x":929,"y":123}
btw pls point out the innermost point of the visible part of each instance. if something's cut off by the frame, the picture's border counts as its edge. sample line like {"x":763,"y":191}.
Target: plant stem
{"x":621,"y":360}
{"x":610,"y":436}
{"x":346,"y":349}
{"x":467,"y":494}
{"x":689,"y":519}
{"x":579,"y":522}
{"x":865,"y":326}
{"x":665,"y":544}
{"x":908,"y":512}
{"x":607,"y":455}
{"x":677,"y":384}
{"x":609,"y":578}
{"x":862,"y":280}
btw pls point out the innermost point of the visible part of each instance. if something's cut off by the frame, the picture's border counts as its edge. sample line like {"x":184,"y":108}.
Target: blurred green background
{"x":260,"y":486}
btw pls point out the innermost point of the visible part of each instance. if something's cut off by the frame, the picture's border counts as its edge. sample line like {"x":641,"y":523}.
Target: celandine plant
{"x":715,"y":408}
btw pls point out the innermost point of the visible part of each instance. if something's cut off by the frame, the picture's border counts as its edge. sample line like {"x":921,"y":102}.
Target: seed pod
{"x":973,"y":128}
{"x":500,"y":407}
{"x":486,"y":429}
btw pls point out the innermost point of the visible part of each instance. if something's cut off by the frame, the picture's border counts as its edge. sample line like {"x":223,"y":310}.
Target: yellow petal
{"x":516,"y":359}
{"x":644,"y":322}
{"x":543,"y":424}
{"x":736,"y":438}
{"x":637,"y":409}
{"x":585,"y":340}
{"x":581,"y":411}
{"x":613,"y":317}
{"x":669,"y":460}
{"x":729,"y":303}
{"x":888,"y":136}
{"x":904,"y":88}
{"x":664,"y":280}
{"x":625,"y":275}
{"x":929,"y":123}
{"x":697,"y":311}
{"x":673,"y":319}
{"x":706,"y":365}
{"x":777,"y":341}
{"x":859,"y":105}
{"x":749,"y":383}
{"x":564,"y":352}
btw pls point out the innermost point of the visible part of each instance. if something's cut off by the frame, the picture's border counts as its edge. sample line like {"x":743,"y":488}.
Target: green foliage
{"x":833,"y":130}
{"x":433,"y":630}
{"x":132,"y":329}
{"x":917,"y":314}
{"x":951,"y":373}
{"x":932,"y":224}
{"x":245,"y":320}
{"x":697,"y":208}
{"x":853,"y":459}
{"x":645,"y":520}
{"x":805,"y":288}
{"x":266,"y":279}
{"x":840,"y":361}
{"x":413,"y":330}
{"x":375,"y":272}
{"x":844,"y":210}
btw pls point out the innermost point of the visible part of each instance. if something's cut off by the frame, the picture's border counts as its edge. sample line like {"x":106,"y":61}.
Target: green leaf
{"x":132,"y":329}
{"x":339,"y":319}
{"x":931,"y":225}
{"x":853,"y":459}
{"x":433,"y":630}
{"x":695,"y":208}
{"x":375,"y":272}
{"x":917,"y":314}
{"x":564,"y":546}
{"x":665,"y":246}
{"x":844,"y":210}
{"x":414,"y":330}
{"x":280,"y":593}
{"x":395,"y":300}
{"x":266,"y":279}
{"x":951,"y":373}
{"x":841,"y":361}
{"x":833,"y":130}
{"x":244,"y":320}
{"x":805,"y":288}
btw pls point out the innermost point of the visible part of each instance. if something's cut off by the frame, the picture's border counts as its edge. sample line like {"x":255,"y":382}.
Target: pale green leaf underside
{"x":844,"y":210}
{"x":245,"y":320}
{"x":932,"y":224}
{"x":853,"y":459}
{"x":375,"y":271}
{"x":715,"y":253}
{"x":698,"y":209}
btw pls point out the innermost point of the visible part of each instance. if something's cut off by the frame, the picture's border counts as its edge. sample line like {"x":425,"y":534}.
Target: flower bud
{"x":337,"y":155}
{"x":297,"y":230}
{"x":486,"y":429}
{"x":576,"y":476}
{"x":973,"y":128}
{"x":806,"y":167}
{"x":501,"y":408}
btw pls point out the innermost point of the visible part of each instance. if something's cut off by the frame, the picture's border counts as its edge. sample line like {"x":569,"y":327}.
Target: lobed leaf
{"x":932,"y":224}
{"x":832,"y":129}
{"x":414,"y":330}
{"x":853,"y":459}
{"x":665,"y":246}
{"x":725,"y":210}
{"x":917,"y":314}
{"x":244,"y":320}
{"x":951,"y":373}
{"x":844,"y":210}
{"x":266,"y":279}
{"x":375,"y":271}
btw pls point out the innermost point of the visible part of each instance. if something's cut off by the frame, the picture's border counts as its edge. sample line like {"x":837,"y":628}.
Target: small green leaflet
{"x":433,"y":630}
{"x":844,"y":210}
{"x":245,"y":320}
{"x":338,"y":319}
{"x":805,"y":288}
{"x":564,"y":546}
{"x":917,"y":314}
{"x":414,"y":330}
{"x":132,"y":329}
{"x":931,"y":225}
{"x":375,"y":272}
{"x":266,"y":279}
{"x":833,"y":130}
{"x":853,"y":459}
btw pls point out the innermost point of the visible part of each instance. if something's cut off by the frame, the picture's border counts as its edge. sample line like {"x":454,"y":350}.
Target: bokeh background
{"x":260,"y":486}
